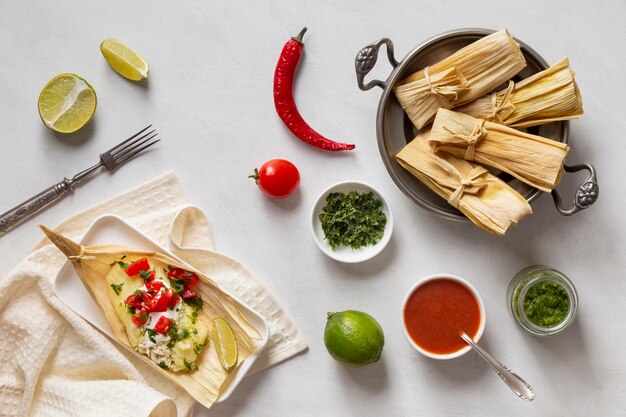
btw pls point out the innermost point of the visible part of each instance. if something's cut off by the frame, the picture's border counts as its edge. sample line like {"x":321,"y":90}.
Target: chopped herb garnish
{"x":151,"y":334}
{"x":353,"y":219}
{"x":123,"y":257}
{"x":178,"y":285}
{"x":145,"y":274}
{"x":124,"y":265}
{"x":195,"y":331}
{"x":131,"y":310}
{"x":195,"y":302}
{"x":137,"y":292}
{"x":162,"y":365}
{"x":197,"y":347}
{"x":194,"y":317}
{"x":189,"y":365}
{"x":117,"y":288}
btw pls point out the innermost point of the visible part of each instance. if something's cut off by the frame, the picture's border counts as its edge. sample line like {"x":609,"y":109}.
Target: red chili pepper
{"x":137,"y":266}
{"x":163,"y":325}
{"x":284,"y":101}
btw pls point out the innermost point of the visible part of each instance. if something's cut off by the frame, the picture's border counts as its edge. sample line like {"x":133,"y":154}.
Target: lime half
{"x":67,"y":103}
{"x":225,"y":344}
{"x":353,"y":338}
{"x":124,"y":60}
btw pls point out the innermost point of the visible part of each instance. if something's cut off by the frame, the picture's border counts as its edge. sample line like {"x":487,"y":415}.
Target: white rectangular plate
{"x":113,"y":230}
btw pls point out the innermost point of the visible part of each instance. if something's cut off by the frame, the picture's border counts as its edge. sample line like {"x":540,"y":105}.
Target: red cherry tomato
{"x":277,"y":178}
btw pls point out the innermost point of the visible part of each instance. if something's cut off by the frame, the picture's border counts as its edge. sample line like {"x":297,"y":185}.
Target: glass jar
{"x":523,"y":281}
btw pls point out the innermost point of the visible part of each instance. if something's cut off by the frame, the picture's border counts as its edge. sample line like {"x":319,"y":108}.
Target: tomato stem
{"x":255,"y":176}
{"x":299,"y":36}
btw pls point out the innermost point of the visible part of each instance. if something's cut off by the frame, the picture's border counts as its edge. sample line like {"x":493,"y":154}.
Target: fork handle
{"x":33,"y":205}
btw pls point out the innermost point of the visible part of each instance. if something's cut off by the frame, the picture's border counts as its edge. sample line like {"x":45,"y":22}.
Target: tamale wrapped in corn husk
{"x":548,"y":96}
{"x":486,"y":200}
{"x":467,"y":74}
{"x":94,"y":263}
{"x":532,"y":159}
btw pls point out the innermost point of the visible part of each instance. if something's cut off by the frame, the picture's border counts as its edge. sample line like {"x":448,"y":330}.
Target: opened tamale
{"x":547,"y":96}
{"x":104,"y":270}
{"x":469,"y":73}
{"x":532,"y":159}
{"x":485,"y":199}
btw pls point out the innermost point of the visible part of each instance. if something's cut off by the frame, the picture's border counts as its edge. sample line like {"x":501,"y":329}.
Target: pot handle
{"x":366,"y":59}
{"x":586,"y":195}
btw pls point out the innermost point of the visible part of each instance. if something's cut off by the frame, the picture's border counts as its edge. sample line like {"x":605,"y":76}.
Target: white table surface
{"x":210,"y":96}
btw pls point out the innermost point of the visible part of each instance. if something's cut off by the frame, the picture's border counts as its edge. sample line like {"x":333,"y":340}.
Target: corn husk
{"x":532,"y":159}
{"x":92,"y":263}
{"x":548,"y":96}
{"x":469,"y":73}
{"x":486,"y":200}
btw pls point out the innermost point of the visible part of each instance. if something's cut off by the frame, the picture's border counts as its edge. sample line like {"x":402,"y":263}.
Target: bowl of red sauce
{"x":436,"y":310}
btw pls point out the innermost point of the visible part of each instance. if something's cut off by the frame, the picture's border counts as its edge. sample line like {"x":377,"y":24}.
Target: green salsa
{"x":546,"y":303}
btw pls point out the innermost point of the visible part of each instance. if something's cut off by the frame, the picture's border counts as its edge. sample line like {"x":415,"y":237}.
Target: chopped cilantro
{"x":145,"y":274}
{"x":197,"y":347}
{"x":178,"y":285}
{"x":117,"y":288}
{"x":162,"y":365}
{"x":189,"y":365}
{"x":194,"y":317}
{"x":353,"y":219}
{"x":131,"y":310}
{"x":195,"y":331}
{"x":151,"y":335}
{"x":195,"y":302}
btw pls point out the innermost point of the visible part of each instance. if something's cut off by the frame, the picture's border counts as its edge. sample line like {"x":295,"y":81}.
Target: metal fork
{"x":111,"y":159}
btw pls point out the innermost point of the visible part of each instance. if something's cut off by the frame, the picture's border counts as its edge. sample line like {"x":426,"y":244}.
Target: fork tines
{"x":129,"y":148}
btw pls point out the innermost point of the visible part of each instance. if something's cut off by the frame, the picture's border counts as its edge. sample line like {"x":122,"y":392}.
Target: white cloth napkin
{"x":56,"y":364}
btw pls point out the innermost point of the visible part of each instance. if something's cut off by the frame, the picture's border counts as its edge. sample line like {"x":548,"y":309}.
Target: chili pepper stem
{"x":255,"y":176}
{"x":299,"y":36}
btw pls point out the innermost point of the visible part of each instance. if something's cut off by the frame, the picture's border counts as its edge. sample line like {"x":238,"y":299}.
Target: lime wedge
{"x":124,"y":60}
{"x":225,"y":344}
{"x":67,"y":103}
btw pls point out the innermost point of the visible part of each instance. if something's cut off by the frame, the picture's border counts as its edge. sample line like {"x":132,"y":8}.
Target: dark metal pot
{"x":394,"y":129}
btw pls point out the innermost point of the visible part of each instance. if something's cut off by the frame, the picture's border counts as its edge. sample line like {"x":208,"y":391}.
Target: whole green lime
{"x":353,"y":338}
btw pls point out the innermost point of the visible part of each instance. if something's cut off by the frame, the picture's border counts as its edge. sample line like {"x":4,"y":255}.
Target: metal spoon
{"x":514,"y":381}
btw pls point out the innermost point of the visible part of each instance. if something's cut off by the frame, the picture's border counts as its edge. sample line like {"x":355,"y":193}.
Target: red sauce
{"x":437,"y":312}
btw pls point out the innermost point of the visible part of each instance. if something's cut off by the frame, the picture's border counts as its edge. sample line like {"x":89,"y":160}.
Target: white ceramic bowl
{"x":481,"y":307}
{"x":343,"y":253}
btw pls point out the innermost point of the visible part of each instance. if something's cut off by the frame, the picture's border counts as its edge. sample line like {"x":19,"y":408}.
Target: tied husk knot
{"x":485,"y":199}
{"x":547,"y":96}
{"x":534,"y":160}
{"x":464,"y":76}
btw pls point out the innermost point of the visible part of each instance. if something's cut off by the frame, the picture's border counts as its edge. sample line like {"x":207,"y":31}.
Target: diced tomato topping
{"x":175,"y":300}
{"x":139,"y":318}
{"x":154,"y":285}
{"x":189,"y":277}
{"x":163,"y":325}
{"x":189,"y":294}
{"x":161,"y":303}
{"x":138,"y":266}
{"x":134,"y":300}
{"x":193,"y":280}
